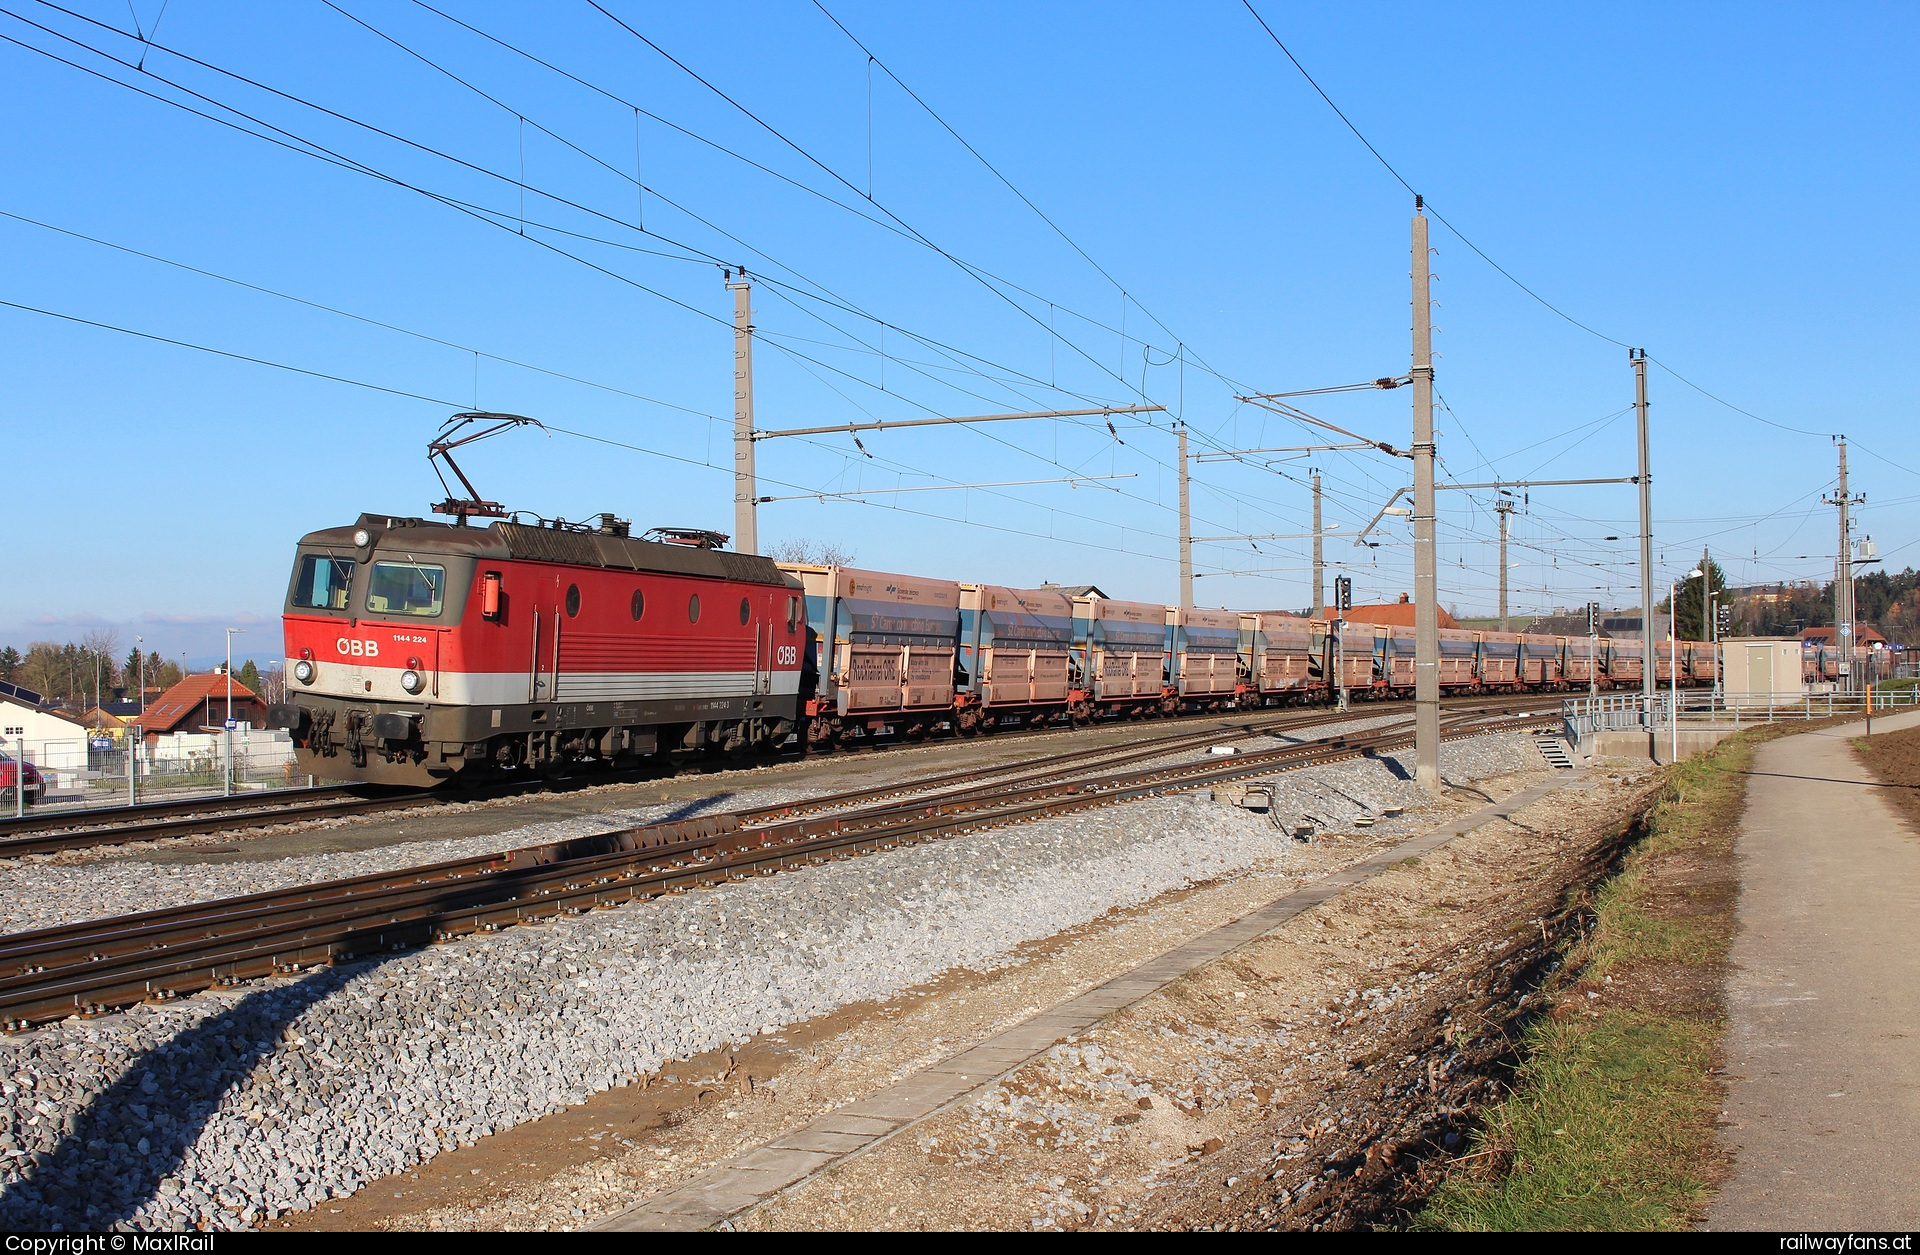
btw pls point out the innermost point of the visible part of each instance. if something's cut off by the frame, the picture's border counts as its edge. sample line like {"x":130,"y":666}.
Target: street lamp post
{"x":132,"y":736}
{"x":228,"y":728}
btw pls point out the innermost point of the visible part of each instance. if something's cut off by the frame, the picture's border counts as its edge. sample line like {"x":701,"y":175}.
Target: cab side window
{"x":321,"y":582}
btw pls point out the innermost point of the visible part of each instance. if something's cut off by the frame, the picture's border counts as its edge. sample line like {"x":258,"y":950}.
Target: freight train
{"x":421,"y":651}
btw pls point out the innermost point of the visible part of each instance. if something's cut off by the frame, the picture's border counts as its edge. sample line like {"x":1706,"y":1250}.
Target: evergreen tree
{"x":9,"y":664}
{"x":1690,"y":618}
{"x":249,"y":675}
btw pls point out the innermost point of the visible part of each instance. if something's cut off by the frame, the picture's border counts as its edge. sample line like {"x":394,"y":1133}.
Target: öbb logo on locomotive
{"x":357,"y":648}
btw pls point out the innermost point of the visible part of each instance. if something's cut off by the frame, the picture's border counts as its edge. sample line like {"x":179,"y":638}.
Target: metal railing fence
{"x":1704,"y":710}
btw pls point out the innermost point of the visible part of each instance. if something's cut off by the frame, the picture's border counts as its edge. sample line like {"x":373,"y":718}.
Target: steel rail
{"x":154,"y":821}
{"x":220,"y":912}
{"x":1130,"y":751}
{"x":159,"y":830}
{"x":654,"y":834}
{"x":1054,"y":764}
{"x":89,"y":968}
{"x":43,"y":820}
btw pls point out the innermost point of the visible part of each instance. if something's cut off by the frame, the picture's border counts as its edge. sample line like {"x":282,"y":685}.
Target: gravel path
{"x":233,"y":1106}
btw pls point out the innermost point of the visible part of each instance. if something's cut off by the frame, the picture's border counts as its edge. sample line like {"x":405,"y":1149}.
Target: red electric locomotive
{"x":419,"y":651}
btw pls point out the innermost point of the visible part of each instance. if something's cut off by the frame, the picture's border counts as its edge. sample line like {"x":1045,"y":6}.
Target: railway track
{"x":98,"y":966}
{"x":52,"y":832}
{"x":156,"y":821}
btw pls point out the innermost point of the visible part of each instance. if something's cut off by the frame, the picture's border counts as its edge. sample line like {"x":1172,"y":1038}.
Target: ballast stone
{"x":280,"y":1095}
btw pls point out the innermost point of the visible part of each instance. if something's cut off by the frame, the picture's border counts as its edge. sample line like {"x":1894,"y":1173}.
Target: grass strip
{"x":1609,"y":1122}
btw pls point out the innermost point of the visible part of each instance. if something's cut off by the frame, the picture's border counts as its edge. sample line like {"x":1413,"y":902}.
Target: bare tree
{"x":101,"y":644}
{"x":812,"y":552}
{"x":102,"y":641}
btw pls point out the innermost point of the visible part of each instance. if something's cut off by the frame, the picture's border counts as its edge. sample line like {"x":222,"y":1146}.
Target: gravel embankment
{"x":44,"y":892}
{"x":233,"y":1106}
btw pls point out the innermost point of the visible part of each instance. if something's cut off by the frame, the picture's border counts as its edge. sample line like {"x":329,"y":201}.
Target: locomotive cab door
{"x":763,"y":653}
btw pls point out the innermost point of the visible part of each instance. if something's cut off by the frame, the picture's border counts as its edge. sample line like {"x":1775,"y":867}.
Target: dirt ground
{"x":1313,"y":1079}
{"x":1319,"y":1078}
{"x":1895,"y":758}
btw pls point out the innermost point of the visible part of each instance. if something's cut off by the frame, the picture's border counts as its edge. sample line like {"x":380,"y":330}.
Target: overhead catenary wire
{"x":893,"y":227}
{"x":359,"y":318}
{"x":238,"y":357}
{"x":294,"y":143}
{"x":362,"y":168}
{"x":504,"y":221}
{"x":852,"y":187}
{"x":1056,"y":228}
{"x":926,"y":365}
{"x":454,"y":405}
{"x":521,"y":119}
{"x":1504,"y":273}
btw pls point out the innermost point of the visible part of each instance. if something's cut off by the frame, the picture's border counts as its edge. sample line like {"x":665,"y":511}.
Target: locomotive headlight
{"x":362,"y":538}
{"x":303,"y":671}
{"x":410,"y":680}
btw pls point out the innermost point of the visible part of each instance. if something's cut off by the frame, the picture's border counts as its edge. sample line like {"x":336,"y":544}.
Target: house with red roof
{"x":1397,"y":613}
{"x":200,"y":702}
{"x":1864,"y":637}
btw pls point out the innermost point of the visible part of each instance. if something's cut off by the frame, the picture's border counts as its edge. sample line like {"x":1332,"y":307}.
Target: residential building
{"x":1864,"y":637}
{"x":200,"y":701}
{"x":1397,"y":613}
{"x":52,"y":739}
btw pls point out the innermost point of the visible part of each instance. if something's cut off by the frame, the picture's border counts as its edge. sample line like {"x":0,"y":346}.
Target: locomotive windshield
{"x":321,"y":583}
{"x":405,"y":588}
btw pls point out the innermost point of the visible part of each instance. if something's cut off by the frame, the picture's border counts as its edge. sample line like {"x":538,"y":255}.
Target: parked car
{"x":10,"y":780}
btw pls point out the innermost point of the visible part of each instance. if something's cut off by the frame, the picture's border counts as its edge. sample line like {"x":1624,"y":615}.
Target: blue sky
{"x":1724,"y":185}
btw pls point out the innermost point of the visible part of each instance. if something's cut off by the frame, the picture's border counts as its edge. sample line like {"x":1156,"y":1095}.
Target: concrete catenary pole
{"x":1504,"y":509}
{"x":1186,"y":527}
{"x":1843,"y":577}
{"x":746,"y":538}
{"x":1319,"y":562}
{"x":1647,"y":639}
{"x":1426,"y":592}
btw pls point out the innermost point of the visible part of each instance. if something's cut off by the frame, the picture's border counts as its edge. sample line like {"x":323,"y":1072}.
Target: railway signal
{"x":1343,"y":594}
